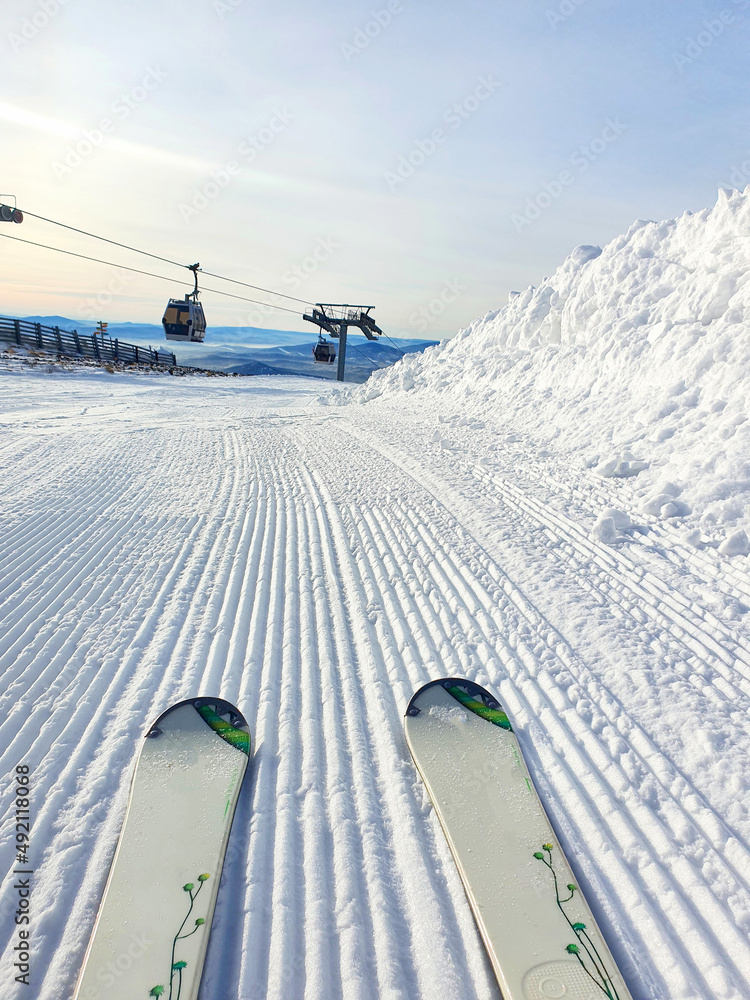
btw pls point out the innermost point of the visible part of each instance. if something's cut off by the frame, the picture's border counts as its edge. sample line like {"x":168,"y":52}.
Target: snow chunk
{"x":665,"y":505}
{"x":621,"y":519}
{"x":655,"y":503}
{"x":675,"y":508}
{"x":584,"y":253}
{"x":737,"y":544}
{"x":605,"y":530}
{"x":622,"y":467}
{"x":609,"y":526}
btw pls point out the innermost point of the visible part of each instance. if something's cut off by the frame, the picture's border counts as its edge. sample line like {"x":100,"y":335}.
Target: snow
{"x":632,"y":361}
{"x":315,"y":558}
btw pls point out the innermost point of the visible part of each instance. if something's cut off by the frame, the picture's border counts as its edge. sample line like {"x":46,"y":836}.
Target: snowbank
{"x":633,"y":360}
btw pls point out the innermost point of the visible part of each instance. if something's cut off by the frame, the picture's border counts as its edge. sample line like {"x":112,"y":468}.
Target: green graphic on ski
{"x":151,"y":932}
{"x":539,"y":932}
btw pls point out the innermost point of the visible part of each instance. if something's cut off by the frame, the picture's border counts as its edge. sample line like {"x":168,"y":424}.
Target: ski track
{"x":306,"y":568}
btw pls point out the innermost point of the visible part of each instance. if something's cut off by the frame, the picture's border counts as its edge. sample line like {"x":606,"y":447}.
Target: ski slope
{"x":314,"y":564}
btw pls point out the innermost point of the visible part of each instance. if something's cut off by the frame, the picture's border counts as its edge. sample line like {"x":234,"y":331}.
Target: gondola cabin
{"x":324,"y":352}
{"x":184,"y":320}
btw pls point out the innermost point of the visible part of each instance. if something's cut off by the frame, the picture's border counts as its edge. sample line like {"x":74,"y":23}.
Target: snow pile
{"x":633,"y":360}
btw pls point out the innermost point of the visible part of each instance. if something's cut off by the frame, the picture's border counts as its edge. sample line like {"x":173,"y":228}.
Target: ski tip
{"x":472,"y":696}
{"x":220,"y":715}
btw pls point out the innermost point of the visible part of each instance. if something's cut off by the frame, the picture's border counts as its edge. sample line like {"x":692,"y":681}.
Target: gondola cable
{"x":375,"y":366}
{"x":150,"y":274}
{"x":166,"y":260}
{"x":184,"y":318}
{"x":403,"y":353}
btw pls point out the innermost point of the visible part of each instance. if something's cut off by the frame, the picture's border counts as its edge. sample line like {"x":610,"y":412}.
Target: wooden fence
{"x":70,"y":342}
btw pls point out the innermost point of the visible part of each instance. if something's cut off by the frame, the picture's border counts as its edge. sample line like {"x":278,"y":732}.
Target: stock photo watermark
{"x":739,"y":177}
{"x":696,"y":46}
{"x":120,"y":110}
{"x":254,"y":144}
{"x":563,"y":12}
{"x":581,"y":159}
{"x":115,"y":969}
{"x":247,"y":152}
{"x":255,"y":316}
{"x":365,"y":35}
{"x":92,"y":307}
{"x":425,"y":316}
{"x":211,"y":188}
{"x":31,"y":26}
{"x":224,"y":7}
{"x":712,"y":29}
{"x":324,"y":250}
{"x":454,"y":117}
{"x":21,"y":874}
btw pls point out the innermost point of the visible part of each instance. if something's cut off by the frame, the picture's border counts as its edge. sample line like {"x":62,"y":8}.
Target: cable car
{"x":10,"y":214}
{"x":183,"y":319}
{"x":324,"y":352}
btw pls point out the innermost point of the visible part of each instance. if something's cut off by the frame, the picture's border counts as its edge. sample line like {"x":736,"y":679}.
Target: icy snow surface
{"x":315,"y":563}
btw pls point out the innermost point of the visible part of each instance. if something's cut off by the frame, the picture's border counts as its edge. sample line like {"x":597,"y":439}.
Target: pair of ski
{"x":151,"y":933}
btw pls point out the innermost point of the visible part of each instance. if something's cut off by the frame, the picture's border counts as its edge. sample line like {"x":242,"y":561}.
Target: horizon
{"x":427,"y":160}
{"x":39,"y":317}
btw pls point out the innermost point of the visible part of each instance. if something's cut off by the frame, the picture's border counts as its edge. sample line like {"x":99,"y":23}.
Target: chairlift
{"x":324,"y":352}
{"x":183,"y":318}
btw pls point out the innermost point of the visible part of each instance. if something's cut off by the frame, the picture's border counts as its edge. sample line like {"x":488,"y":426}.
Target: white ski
{"x":540,"y":935}
{"x":151,"y":933}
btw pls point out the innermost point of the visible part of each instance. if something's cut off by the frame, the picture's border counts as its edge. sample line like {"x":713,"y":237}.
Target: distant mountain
{"x":253,"y":350}
{"x":61,"y":321}
{"x":363,"y":357}
{"x":154,"y":332}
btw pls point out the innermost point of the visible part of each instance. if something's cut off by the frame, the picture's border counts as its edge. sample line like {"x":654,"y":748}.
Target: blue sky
{"x":426,"y":158}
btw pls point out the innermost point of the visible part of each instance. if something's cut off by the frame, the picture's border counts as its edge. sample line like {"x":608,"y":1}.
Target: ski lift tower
{"x":335,"y":320}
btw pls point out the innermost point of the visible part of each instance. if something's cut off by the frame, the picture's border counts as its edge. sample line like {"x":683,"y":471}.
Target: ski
{"x":539,"y":932}
{"x":151,"y":933}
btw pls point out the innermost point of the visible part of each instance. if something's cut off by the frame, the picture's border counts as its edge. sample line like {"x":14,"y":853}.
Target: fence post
{"x":17,"y":325}
{"x":78,"y":342}
{"x":136,"y":353}
{"x":59,"y":340}
{"x":117,"y":356}
{"x":39,"y":339}
{"x":95,"y":345}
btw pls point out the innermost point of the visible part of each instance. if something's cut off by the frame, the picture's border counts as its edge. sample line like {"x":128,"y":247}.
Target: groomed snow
{"x":632,"y":361}
{"x":316,"y":563}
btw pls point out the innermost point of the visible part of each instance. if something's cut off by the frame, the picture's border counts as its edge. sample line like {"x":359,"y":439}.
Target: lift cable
{"x":403,"y":353}
{"x":166,"y":260}
{"x":150,"y":274}
{"x":270,"y":291}
{"x":351,"y":347}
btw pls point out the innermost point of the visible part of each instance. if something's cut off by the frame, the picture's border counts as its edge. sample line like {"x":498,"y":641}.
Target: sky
{"x":423,"y":158}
